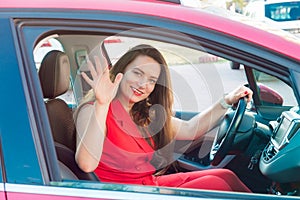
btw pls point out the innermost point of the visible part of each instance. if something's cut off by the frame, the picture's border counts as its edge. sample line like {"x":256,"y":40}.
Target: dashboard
{"x":280,"y":159}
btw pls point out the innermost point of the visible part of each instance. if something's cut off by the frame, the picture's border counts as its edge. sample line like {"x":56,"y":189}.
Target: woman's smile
{"x":136,"y":91}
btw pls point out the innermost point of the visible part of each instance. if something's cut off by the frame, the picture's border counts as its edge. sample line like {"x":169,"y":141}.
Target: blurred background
{"x":282,"y":14}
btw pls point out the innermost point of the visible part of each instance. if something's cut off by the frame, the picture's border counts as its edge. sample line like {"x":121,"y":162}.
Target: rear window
{"x":285,"y":11}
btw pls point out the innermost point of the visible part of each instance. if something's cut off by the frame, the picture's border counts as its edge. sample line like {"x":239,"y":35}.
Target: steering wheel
{"x":224,"y":139}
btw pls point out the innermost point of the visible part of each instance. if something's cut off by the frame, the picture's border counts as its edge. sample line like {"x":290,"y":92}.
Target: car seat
{"x":54,"y":74}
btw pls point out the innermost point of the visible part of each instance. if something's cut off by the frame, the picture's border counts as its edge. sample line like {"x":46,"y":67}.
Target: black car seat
{"x":54,"y":74}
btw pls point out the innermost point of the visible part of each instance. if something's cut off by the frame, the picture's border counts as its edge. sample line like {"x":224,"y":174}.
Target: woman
{"x":127,"y":117}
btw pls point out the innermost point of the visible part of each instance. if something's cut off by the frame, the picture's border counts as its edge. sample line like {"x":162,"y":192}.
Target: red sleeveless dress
{"x":126,"y":159}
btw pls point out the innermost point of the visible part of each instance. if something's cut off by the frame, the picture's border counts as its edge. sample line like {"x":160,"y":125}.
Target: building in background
{"x":284,"y":14}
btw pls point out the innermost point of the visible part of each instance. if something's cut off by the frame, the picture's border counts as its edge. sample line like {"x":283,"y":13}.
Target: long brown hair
{"x":157,"y":122}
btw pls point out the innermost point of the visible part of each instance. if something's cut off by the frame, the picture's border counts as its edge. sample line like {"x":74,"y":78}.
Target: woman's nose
{"x":142,"y":82}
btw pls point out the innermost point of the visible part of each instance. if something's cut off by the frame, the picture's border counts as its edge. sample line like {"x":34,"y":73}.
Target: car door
{"x":20,"y":162}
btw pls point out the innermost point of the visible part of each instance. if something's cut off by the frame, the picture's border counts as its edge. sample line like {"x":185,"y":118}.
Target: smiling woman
{"x":140,"y":79}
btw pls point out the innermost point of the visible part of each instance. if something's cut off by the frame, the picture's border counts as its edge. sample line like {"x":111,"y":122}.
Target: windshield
{"x":285,"y":11}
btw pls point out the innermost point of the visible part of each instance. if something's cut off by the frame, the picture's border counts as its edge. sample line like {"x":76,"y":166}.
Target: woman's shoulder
{"x":84,"y":108}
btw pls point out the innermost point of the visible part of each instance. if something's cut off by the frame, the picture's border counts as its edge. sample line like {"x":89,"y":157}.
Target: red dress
{"x":126,"y":159}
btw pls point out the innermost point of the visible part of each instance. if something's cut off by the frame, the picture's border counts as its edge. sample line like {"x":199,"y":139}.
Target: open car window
{"x":273,"y":91}
{"x":198,"y":78}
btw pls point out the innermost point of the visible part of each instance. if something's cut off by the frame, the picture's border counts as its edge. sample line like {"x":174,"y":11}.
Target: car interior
{"x":54,"y":74}
{"x":258,"y":140}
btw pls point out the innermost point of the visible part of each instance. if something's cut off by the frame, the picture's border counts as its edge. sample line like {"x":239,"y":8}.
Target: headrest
{"x":54,"y":74}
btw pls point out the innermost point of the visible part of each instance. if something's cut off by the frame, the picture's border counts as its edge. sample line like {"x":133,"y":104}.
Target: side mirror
{"x":268,"y":96}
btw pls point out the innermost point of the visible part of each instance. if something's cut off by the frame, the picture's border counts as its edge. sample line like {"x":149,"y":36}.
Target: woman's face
{"x":139,"y":80}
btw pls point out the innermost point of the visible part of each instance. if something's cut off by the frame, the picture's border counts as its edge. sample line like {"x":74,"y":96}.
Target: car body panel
{"x":168,"y":12}
{"x":20,"y":113}
{"x":115,"y":191}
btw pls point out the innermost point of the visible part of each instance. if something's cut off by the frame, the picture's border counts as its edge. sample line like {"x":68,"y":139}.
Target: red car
{"x":37,"y":149}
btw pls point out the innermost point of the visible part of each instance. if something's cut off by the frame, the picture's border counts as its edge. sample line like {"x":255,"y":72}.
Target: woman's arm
{"x":199,"y":124}
{"x":209,"y":118}
{"x":91,"y":119}
{"x":91,"y":131}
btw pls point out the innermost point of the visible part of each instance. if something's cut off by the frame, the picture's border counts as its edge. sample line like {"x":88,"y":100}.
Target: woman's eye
{"x":152,"y":81}
{"x":137,"y":73}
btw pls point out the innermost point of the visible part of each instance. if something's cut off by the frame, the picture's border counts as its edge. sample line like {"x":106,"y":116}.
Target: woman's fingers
{"x":238,"y":93}
{"x":105,"y":71}
{"x":92,"y":69}
{"x":118,"y":79}
{"x":87,"y":79}
{"x":96,"y":71}
{"x":117,"y":83}
{"x":101,"y":82}
{"x":98,"y":67}
{"x":246,"y":92}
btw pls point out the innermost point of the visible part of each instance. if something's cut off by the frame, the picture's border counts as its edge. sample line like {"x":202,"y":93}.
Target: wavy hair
{"x":156,"y":122}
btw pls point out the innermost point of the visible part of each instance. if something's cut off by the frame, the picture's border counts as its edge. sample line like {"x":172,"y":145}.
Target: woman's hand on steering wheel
{"x":223,"y":141}
{"x":234,"y":96}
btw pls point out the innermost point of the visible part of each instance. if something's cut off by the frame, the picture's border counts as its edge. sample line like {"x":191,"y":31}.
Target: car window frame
{"x":265,"y":113}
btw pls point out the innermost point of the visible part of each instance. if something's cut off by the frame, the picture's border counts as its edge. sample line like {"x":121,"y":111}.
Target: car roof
{"x":276,"y":42}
